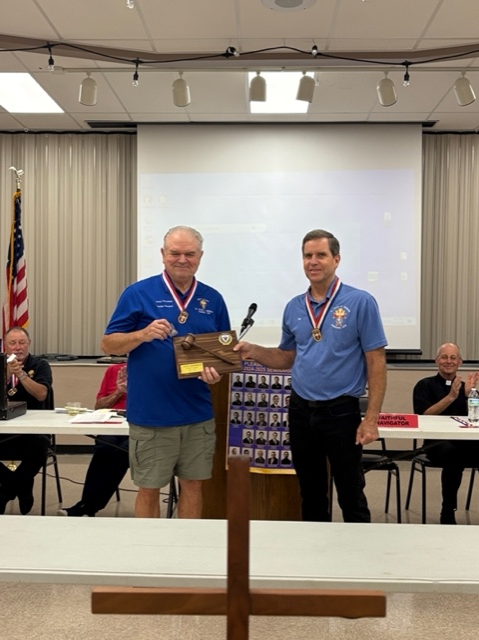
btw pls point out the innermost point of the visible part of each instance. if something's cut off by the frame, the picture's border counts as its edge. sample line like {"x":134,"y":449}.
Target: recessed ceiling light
{"x":288,"y":5}
{"x":20,"y":93}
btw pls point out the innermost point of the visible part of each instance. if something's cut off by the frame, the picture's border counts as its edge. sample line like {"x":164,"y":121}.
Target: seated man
{"x":446,"y":394}
{"x":109,"y":463}
{"x":29,"y":379}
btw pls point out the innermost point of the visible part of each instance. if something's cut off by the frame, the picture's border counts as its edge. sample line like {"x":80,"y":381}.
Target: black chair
{"x":470,"y":488}
{"x":421,"y":463}
{"x":378,"y":461}
{"x":372,"y":461}
{"x":51,"y":459}
{"x":173,"y":495}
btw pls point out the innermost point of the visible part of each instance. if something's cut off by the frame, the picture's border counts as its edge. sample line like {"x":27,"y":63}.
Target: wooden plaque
{"x":206,"y":350}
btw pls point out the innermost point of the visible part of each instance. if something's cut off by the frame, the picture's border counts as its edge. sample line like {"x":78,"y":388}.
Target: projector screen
{"x":254,"y":191}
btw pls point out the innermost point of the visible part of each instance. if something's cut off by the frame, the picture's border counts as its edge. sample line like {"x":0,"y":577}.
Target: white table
{"x":432,"y":428}
{"x":192,"y":553}
{"x":51,"y":422}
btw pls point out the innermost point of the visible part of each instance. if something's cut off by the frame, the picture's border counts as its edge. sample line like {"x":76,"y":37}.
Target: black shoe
{"x":447,"y":517}
{"x":25,"y":495}
{"x":25,"y":501}
{"x":79,"y":510}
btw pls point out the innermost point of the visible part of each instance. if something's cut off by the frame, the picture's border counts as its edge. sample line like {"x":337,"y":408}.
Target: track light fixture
{"x":136,"y":75}
{"x":464,"y":92}
{"x":405,"y":81}
{"x":306,"y":88}
{"x":181,"y":92}
{"x":386,"y":92}
{"x":51,"y":61}
{"x":257,"y":88}
{"x":232,"y":52}
{"x":88,"y":92}
{"x":314,"y":51}
{"x":130,"y":4}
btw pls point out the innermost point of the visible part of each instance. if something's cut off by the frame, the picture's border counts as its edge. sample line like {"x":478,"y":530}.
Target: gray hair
{"x":317,"y":234}
{"x":196,"y":234}
{"x":22,"y":329}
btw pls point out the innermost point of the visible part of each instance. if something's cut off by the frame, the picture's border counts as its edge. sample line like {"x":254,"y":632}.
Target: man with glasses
{"x":445,"y":394}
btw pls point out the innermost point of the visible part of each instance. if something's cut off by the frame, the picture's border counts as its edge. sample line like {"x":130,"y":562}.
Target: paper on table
{"x":99,"y":416}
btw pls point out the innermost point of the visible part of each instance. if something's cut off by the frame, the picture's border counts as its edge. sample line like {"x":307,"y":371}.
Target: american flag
{"x":15,"y":309}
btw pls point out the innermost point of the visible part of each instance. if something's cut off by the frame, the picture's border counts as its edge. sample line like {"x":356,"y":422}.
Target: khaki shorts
{"x":158,"y":453}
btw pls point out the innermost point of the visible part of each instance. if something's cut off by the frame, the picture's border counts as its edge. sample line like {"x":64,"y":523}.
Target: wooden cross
{"x":238,"y":602}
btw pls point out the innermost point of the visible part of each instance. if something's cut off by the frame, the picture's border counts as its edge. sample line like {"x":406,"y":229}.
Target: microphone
{"x":248,"y":322}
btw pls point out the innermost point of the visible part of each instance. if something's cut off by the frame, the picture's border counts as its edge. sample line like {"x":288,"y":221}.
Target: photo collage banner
{"x":258,"y":418}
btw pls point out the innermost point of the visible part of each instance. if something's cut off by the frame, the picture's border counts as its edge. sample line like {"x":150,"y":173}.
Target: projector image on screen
{"x":253,"y":192}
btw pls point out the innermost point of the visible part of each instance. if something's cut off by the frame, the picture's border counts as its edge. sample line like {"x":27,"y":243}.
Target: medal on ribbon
{"x":183,"y":315}
{"x":317,"y":321}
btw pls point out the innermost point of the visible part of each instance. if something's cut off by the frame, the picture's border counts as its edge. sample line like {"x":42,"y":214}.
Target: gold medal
{"x":12,"y":391}
{"x":183,"y":317}
{"x":316,"y":333}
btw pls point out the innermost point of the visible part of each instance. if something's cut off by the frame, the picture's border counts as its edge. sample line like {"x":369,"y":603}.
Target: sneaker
{"x":77,"y":511}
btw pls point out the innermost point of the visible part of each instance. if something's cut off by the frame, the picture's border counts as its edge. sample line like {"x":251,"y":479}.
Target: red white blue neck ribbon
{"x":181,"y":304}
{"x":317,"y":321}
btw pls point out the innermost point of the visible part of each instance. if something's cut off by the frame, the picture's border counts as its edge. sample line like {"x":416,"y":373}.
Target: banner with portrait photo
{"x":258,"y":424}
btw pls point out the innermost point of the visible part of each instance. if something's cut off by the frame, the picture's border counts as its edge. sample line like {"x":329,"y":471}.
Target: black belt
{"x":323,"y":404}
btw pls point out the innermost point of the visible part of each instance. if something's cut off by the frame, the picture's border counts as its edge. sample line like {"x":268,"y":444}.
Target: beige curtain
{"x":79,"y":226}
{"x":450,"y":243}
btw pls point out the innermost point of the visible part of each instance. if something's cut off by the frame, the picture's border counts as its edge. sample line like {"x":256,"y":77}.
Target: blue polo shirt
{"x":335,"y":365}
{"x":156,"y":397}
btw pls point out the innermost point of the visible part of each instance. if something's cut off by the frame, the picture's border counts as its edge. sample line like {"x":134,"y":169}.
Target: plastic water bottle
{"x":473,"y":407}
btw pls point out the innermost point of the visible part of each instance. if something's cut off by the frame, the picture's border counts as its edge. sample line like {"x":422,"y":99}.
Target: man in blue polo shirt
{"x":172,"y":430}
{"x":333,"y":339}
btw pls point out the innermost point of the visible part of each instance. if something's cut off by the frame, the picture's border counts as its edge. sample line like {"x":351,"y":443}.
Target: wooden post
{"x":237,"y":594}
{"x":237,"y":601}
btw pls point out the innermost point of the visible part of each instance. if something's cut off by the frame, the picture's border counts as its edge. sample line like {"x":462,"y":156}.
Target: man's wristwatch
{"x":23,"y":376}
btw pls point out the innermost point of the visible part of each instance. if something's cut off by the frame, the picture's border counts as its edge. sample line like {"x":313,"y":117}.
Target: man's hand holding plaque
{"x":194,"y":353}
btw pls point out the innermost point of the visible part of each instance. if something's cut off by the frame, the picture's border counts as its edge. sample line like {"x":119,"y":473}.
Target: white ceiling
{"x":165,"y":30}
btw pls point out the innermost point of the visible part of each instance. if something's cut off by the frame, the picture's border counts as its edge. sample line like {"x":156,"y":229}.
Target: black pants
{"x":453,"y":456}
{"x":107,"y":469}
{"x":325,"y":432}
{"x":32,"y":451}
